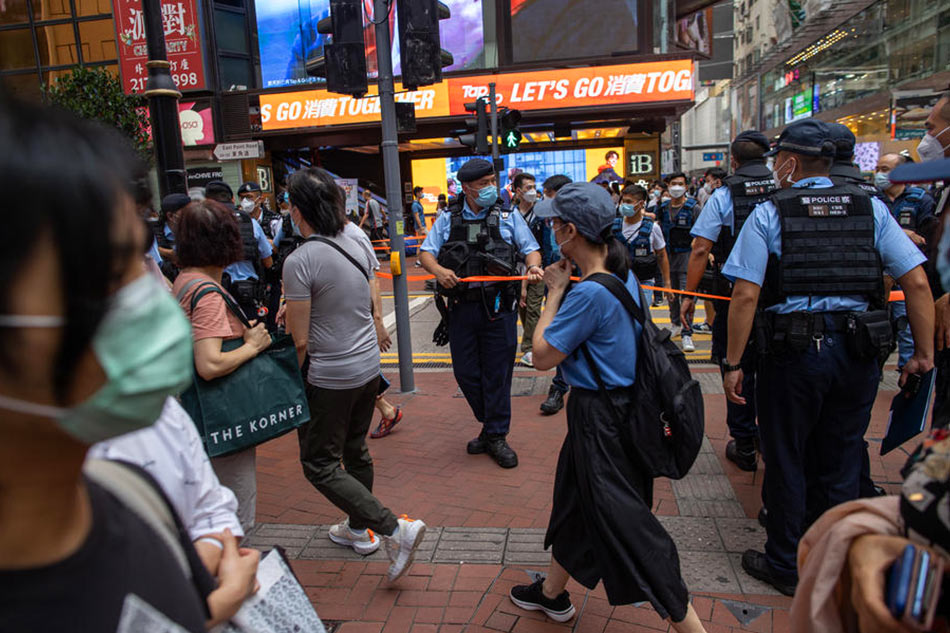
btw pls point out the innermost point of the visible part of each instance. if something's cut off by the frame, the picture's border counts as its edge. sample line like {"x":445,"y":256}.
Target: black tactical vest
{"x":268,"y":216}
{"x":158,"y":230}
{"x":475,"y":247}
{"x":827,"y":246}
{"x":845,"y":174}
{"x":751,"y":184}
{"x":248,"y":240}
{"x":289,"y":242}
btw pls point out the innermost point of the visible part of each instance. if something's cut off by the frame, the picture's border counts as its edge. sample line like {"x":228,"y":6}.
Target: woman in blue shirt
{"x":601,"y":526}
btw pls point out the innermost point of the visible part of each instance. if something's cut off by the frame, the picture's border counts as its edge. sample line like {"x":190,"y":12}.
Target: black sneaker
{"x":479,"y":445}
{"x":756,"y":565}
{"x":531,"y":598}
{"x":554,"y":403}
{"x":498,"y":448}
{"x":743,"y":455}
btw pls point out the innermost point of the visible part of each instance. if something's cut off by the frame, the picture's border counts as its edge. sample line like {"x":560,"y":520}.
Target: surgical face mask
{"x":708,"y":187}
{"x":677,"y":191}
{"x":247,"y":205}
{"x":628,"y":210}
{"x":145,"y":349}
{"x":487,"y":196}
{"x":930,"y":148}
{"x":561,"y":244}
{"x":882,"y":181}
{"x":530,"y":195}
{"x":778,"y":179}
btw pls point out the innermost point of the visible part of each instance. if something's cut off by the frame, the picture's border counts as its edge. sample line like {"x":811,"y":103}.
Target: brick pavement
{"x":487,"y":523}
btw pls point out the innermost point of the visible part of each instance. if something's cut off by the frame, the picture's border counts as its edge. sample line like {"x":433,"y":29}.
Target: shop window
{"x":25,"y":86}
{"x":51,"y":10}
{"x":16,"y":49}
{"x":230,"y":31}
{"x":235,"y":72}
{"x":14,"y":12}
{"x":98,"y":40}
{"x":57,"y":44}
{"x":93,"y":7}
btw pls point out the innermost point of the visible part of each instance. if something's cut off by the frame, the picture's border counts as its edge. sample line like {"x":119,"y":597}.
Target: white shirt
{"x":171,"y":451}
{"x":657,"y":243}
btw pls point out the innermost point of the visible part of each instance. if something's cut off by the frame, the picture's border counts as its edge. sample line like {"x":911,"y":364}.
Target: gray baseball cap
{"x":585,"y":205}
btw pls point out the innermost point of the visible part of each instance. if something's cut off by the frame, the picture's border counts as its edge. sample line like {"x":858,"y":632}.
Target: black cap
{"x":809,"y":137}
{"x":844,"y":141}
{"x":475,"y":169}
{"x":218,"y":186}
{"x":921,"y":172}
{"x":585,"y":205}
{"x":753,"y":136}
{"x":249,"y":187}
{"x":174,"y":201}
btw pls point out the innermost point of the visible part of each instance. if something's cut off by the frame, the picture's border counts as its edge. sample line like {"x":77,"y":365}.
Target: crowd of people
{"x":800,"y":250}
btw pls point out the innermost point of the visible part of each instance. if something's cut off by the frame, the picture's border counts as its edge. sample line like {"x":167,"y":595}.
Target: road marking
{"x":390,"y":319}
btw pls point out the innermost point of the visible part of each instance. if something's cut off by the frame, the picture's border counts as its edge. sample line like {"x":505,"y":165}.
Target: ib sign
{"x":639,"y":163}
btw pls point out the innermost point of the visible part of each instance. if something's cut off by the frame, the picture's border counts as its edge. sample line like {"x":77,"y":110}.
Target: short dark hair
{"x":319,"y":200}
{"x":675,"y":174}
{"x":207,"y":235}
{"x":716,"y":172}
{"x":611,"y":153}
{"x":744,"y":151}
{"x":815,"y":164}
{"x":416,"y":191}
{"x":554,"y":183}
{"x":520,"y":178}
{"x":442,"y":196}
{"x":634,"y":190}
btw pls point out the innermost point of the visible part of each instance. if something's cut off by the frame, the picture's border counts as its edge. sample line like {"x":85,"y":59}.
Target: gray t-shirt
{"x":356,"y":234}
{"x":342,"y":344}
{"x":375,"y":213}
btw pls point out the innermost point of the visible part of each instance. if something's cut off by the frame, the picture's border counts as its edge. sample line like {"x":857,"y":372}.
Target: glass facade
{"x":890,"y":42}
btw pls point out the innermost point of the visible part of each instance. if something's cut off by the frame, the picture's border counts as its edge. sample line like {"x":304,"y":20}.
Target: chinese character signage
{"x":182,"y":39}
{"x":536,"y":90}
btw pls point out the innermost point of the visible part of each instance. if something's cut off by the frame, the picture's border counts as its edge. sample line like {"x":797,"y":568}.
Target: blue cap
{"x":844,"y":141}
{"x":921,"y":172}
{"x":174,"y":201}
{"x":809,"y":137}
{"x":753,"y":136}
{"x":218,"y":186}
{"x":475,"y":169}
{"x":585,"y":205}
{"x":248,"y":187}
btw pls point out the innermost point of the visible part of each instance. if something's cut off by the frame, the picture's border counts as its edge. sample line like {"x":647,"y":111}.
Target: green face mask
{"x":145,"y":349}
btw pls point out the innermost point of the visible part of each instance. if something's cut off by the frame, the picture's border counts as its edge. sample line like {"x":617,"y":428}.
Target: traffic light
{"x":343,"y":59}
{"x":511,"y":136}
{"x":477,"y":139}
{"x":420,"y":47}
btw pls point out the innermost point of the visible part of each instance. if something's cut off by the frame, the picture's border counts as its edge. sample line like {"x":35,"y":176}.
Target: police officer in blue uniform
{"x":715,"y":232}
{"x":478,"y":236}
{"x":163,"y":230}
{"x":812,"y":260}
{"x":676,"y":217}
{"x":843,"y":170}
{"x":245,"y":279}
{"x":913,"y":208}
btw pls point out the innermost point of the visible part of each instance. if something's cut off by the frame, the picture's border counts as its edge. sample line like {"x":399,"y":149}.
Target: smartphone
{"x":918,"y":586}
{"x":898,"y":582}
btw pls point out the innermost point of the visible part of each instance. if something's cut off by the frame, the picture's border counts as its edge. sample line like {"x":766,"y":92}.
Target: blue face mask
{"x":487,"y":196}
{"x":882,"y":181}
{"x":628,"y":210}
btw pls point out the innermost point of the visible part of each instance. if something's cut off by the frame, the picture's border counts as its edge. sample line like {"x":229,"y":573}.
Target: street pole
{"x":163,"y":96}
{"x":390,"y":148}
{"x":495,"y":154}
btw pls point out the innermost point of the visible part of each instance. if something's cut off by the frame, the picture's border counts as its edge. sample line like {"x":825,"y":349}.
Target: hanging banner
{"x":536,"y":90}
{"x":182,"y":40}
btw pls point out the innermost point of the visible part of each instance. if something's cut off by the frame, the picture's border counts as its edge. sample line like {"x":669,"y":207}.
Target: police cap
{"x":921,"y":172}
{"x":173,"y":202}
{"x":753,"y":136}
{"x":217,"y":187}
{"x":809,"y":137}
{"x":475,"y":169}
{"x":585,"y":205}
{"x":844,"y":141}
{"x":248,"y":187}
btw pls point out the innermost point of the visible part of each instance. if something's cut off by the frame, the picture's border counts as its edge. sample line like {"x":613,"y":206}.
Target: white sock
{"x":358,"y":532}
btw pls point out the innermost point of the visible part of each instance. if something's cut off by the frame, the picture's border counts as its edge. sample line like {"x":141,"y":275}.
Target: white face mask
{"x":930,"y":148}
{"x":788,"y":178}
{"x":247,"y":205}
{"x":530,"y":195}
{"x":677,"y":191}
{"x":708,"y":187}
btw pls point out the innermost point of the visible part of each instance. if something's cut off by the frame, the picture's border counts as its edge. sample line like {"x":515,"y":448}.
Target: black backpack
{"x":666,"y":416}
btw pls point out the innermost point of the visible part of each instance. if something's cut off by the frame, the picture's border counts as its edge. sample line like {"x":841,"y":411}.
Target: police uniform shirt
{"x":716,"y":214}
{"x":761,"y":236}
{"x":244,"y":270}
{"x":924,"y":206}
{"x":591,"y":314}
{"x":169,"y":235}
{"x":153,"y":252}
{"x":511,"y":225}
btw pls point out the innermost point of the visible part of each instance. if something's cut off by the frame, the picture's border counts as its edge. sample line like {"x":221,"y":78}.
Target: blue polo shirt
{"x":591,"y":314}
{"x":761,"y":236}
{"x":511,"y":225}
{"x":716,"y":214}
{"x":169,"y":235}
{"x":244,"y":270}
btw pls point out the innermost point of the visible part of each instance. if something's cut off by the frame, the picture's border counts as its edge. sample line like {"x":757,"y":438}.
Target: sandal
{"x":386,"y":425}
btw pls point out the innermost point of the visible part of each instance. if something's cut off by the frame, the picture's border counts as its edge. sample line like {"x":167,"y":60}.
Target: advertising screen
{"x":543,"y":30}
{"x":287,"y":36}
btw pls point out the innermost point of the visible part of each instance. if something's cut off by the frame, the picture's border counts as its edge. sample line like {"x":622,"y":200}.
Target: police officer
{"x":478,"y":236}
{"x":163,"y":231}
{"x":643,"y":238}
{"x":715,"y":232}
{"x":244,"y":279}
{"x":913,"y":208}
{"x":676,"y":217}
{"x":253,"y":204}
{"x":812,"y":260}
{"x":843,"y":170}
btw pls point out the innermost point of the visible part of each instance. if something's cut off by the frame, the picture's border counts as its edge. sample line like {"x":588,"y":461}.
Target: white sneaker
{"x":688,"y":343}
{"x":364,"y":544}
{"x":402,"y":546}
{"x":527,"y":360}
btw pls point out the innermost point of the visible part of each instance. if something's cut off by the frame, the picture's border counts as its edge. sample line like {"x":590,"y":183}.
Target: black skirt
{"x":601,"y":524}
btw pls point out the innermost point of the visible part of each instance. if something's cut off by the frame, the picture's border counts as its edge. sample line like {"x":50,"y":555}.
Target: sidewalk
{"x":487,"y":524}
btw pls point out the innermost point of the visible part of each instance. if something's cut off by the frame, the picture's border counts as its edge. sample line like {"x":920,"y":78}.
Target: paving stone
{"x":699,"y":508}
{"x":745,"y":612}
{"x":709,"y":382}
{"x":530,"y":385}
{"x":738,"y":535}
{"x":706,"y":495}
{"x":284,"y":530}
{"x":706,"y":465}
{"x":534,"y":558}
{"x":708,"y":572}
{"x":693,"y":533}
{"x":707,"y":446}
{"x":322,"y":548}
{"x":526,"y":535}
{"x":748,"y":584}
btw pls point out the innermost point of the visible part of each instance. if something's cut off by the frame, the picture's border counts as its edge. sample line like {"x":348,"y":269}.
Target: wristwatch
{"x":726,"y":367}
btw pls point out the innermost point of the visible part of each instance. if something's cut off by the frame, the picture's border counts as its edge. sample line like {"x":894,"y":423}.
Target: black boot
{"x":554,"y":403}
{"x":479,"y":445}
{"x":742,"y":454}
{"x":498,"y":448}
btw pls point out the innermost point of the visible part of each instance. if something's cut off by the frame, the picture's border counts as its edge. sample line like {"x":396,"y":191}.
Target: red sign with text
{"x":182,"y":40}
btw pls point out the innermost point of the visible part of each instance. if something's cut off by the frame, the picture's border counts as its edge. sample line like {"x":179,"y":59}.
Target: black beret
{"x":218,"y":186}
{"x":475,"y":169}
{"x":174,"y":201}
{"x":248,"y":187}
{"x":753,"y":136}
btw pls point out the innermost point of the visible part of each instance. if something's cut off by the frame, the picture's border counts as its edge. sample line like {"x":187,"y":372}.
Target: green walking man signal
{"x":512,"y":139}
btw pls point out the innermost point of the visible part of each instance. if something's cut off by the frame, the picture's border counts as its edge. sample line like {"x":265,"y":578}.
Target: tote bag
{"x":259,"y":401}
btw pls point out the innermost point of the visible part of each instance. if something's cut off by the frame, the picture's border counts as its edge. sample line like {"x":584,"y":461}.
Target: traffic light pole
{"x":390,"y":148}
{"x":495,"y":153}
{"x":163,"y":96}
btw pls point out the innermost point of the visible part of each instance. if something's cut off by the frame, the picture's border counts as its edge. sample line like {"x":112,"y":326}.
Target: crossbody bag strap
{"x":320,"y":238}
{"x":188,"y":286}
{"x":213,"y":288}
{"x":618,"y":290}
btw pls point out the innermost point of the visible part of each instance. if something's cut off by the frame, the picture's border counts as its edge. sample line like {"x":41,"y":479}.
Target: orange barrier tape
{"x":405,"y":238}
